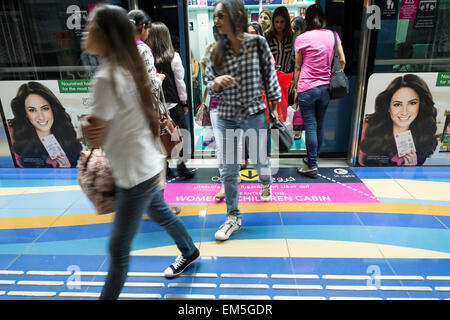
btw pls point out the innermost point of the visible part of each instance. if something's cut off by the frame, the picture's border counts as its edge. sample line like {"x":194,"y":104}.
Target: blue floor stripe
{"x":428,"y":239}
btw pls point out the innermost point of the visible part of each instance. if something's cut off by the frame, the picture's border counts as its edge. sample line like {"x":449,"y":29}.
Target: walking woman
{"x":281,"y":40}
{"x":168,"y":62}
{"x":314,"y":53}
{"x":124,"y":121}
{"x":235,"y":76}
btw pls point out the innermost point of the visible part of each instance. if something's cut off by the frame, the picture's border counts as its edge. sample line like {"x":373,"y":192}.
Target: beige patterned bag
{"x":96,"y":180}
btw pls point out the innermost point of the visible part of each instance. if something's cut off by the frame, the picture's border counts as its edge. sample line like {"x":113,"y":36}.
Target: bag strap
{"x":89,"y":157}
{"x":162,"y":106}
{"x":335,"y":55}
{"x":204,"y":96}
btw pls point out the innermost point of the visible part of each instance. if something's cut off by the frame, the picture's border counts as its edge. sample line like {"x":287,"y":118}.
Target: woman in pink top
{"x":314,"y":51}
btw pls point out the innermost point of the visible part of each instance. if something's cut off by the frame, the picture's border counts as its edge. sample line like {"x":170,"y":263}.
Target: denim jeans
{"x":214,"y":116}
{"x":313,"y":105}
{"x":131,"y":204}
{"x":231,"y":134}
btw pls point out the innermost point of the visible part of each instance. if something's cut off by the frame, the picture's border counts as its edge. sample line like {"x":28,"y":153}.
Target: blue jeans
{"x":313,"y":105}
{"x":214,"y":116}
{"x":131,"y":204}
{"x":231,"y":134}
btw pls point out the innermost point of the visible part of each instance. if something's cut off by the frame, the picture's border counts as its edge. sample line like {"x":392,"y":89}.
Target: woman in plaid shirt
{"x":235,"y":76}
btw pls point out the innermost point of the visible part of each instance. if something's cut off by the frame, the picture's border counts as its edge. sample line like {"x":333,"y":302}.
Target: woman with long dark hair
{"x":237,"y":69}
{"x":406,"y":104}
{"x":124,"y":121}
{"x":38,"y":113}
{"x":281,"y":40}
{"x":168,"y":62}
{"x":314,"y":54}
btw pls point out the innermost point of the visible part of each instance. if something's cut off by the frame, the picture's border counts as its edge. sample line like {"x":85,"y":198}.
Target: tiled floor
{"x":375,"y":233}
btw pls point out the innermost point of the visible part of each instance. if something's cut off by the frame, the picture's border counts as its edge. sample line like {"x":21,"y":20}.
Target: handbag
{"x":339,"y":85}
{"x":96,"y":180}
{"x":202,"y":117}
{"x":170,"y":134}
{"x":297,"y":121}
{"x":284,"y":136}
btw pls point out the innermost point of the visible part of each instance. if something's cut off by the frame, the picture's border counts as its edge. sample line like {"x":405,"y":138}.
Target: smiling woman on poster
{"x":404,"y":110}
{"x":42,"y":133}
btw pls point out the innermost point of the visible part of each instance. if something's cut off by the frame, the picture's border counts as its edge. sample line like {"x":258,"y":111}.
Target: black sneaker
{"x":183,"y":172}
{"x":180,"y":264}
{"x":312,"y":173}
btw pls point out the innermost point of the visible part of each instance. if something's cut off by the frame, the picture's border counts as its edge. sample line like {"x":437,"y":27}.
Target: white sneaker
{"x":266,"y":193}
{"x":231,"y":225}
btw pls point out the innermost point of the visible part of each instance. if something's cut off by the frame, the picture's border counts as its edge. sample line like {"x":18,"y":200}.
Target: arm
{"x":195,"y":70}
{"x":178,"y":72}
{"x":270,"y":76}
{"x":297,"y":69}
{"x":149,"y":62}
{"x":104,"y":107}
{"x":341,"y":56}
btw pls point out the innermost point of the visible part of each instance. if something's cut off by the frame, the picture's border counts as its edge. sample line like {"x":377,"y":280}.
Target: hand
{"x":410,"y":158}
{"x":275,"y":118}
{"x":94,"y":130}
{"x":63,"y":161}
{"x":296,"y":98}
{"x":223,"y":82}
{"x":185,"y":109}
{"x":161,"y":76}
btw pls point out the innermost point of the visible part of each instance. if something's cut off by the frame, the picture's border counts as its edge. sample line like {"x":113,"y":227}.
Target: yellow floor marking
{"x":299,"y":248}
{"x":93,"y":218}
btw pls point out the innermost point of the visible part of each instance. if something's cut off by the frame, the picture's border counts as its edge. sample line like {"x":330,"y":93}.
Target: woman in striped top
{"x":281,"y":39}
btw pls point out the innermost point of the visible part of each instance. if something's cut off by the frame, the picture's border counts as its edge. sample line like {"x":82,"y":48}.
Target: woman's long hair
{"x":239,"y":23}
{"x":161,"y":43}
{"x":288,"y":35}
{"x":315,"y":18}
{"x":379,"y":137}
{"x":26,"y":140}
{"x":118,"y":34}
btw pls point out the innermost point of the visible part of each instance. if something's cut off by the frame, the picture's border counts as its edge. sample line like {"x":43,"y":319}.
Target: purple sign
{"x":199,"y":193}
{"x":408,"y":9}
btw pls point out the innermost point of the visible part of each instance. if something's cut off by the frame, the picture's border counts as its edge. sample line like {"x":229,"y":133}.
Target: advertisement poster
{"x":445,"y":140}
{"x":404,"y":120}
{"x":42,"y":121}
{"x":389,"y":9}
{"x":408,"y":9}
{"x":426,"y":16}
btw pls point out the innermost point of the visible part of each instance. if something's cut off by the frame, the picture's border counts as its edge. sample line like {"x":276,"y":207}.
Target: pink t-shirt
{"x":317,"y":49}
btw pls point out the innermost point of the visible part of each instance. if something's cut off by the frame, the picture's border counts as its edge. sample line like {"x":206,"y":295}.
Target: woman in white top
{"x":168,"y":62}
{"x":142,"y":24}
{"x":124,"y":121}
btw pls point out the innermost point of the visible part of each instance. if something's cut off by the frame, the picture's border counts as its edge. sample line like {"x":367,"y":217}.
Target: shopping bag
{"x":169,"y":133}
{"x":96,"y":180}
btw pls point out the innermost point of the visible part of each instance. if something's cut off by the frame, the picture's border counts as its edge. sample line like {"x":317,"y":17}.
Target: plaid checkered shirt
{"x":244,"y":97}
